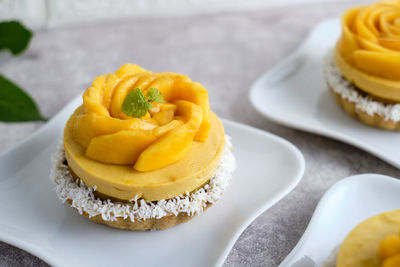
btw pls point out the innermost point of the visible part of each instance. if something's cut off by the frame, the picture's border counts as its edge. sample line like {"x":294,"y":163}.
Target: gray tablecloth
{"x":226,"y":52}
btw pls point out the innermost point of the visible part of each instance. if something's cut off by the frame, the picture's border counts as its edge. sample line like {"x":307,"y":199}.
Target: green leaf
{"x":15,"y":104}
{"x":154,"y":95}
{"x":14,"y":36}
{"x":135,"y":104}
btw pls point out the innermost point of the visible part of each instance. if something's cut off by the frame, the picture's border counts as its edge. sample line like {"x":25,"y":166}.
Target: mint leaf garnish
{"x":135,"y":104}
{"x":154,"y":95}
{"x":15,"y":104}
{"x":14,"y":36}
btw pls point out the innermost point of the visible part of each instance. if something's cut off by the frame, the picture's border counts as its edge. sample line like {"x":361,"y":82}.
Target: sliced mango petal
{"x":176,"y":143}
{"x":108,"y":89}
{"x":129,"y":69}
{"x":389,"y":246}
{"x":191,"y":113}
{"x":196,"y":93}
{"x":168,"y":149}
{"x":88,"y":126}
{"x":393,"y":261}
{"x":123,"y":147}
{"x":92,"y":99}
{"x":163,"y":84}
{"x":164,"y":117}
{"x":167,"y":127}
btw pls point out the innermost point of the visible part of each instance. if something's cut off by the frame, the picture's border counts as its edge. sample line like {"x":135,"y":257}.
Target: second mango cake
{"x":143,"y":152}
{"x":363,"y":70}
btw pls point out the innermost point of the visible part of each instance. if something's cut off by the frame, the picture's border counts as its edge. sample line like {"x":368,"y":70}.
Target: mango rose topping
{"x":162,"y":136}
{"x":370,"y":39}
{"x":389,"y":251}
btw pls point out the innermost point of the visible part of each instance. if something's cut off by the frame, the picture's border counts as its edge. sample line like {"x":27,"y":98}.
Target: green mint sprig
{"x":136,"y":104}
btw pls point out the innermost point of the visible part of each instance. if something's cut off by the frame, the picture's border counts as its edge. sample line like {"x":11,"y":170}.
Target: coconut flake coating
{"x":347,"y":91}
{"x":83,"y":199}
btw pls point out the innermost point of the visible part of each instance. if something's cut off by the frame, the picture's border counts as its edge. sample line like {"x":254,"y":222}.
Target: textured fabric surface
{"x":226,"y":52}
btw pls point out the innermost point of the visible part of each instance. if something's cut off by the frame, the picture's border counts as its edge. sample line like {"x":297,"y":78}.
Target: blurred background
{"x":56,"y":12}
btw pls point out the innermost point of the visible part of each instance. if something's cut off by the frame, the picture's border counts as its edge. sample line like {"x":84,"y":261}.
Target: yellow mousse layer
{"x":360,"y":247}
{"x":162,"y":136}
{"x":382,"y":88}
{"x":123,"y":182}
{"x":368,"y":51}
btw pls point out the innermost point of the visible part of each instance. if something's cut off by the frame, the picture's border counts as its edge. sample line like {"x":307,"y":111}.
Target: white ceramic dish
{"x":35,"y":220}
{"x":294,"y":94}
{"x":344,"y":205}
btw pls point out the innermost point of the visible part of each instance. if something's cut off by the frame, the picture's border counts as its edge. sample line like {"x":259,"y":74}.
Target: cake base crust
{"x":145,"y":225}
{"x":376,"y":121}
{"x":368,"y":109}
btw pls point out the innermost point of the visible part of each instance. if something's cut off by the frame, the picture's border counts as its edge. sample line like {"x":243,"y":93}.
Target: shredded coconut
{"x":84,"y":200}
{"x":346,"y":89}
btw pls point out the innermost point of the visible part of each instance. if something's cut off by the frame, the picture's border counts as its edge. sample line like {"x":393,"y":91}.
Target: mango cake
{"x":143,"y":152}
{"x":363,"y":70}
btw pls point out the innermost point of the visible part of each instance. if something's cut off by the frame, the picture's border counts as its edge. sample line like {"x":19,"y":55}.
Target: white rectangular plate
{"x":346,"y":204}
{"x":34,"y":219}
{"x":295,"y":94}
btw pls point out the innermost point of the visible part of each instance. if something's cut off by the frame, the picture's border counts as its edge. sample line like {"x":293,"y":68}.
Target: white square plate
{"x":295,"y":94}
{"x":346,"y":204}
{"x":34,"y":219}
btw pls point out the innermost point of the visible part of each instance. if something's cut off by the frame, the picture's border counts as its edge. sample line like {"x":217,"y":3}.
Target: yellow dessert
{"x":368,"y":52}
{"x":143,"y":137}
{"x":367,"y":55}
{"x":389,"y":251}
{"x":374,"y":242}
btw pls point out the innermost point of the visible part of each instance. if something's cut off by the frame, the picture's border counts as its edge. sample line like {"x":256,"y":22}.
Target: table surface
{"x":226,"y":53}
